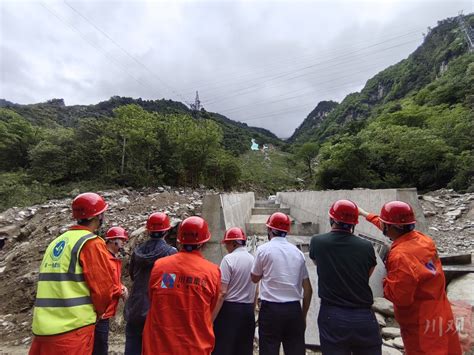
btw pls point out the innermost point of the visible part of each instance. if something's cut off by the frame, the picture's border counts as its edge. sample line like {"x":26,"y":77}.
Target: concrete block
{"x":313,"y":206}
{"x":455,"y":259}
{"x":269,"y":210}
{"x":267,"y":204}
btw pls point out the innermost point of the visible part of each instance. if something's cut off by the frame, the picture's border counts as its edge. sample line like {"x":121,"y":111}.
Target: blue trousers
{"x":133,"y":338}
{"x":346,"y":331}
{"x":234,"y":329}
{"x":101,"y":337}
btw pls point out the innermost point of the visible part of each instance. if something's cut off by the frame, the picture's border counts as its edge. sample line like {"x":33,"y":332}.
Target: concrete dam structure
{"x":308,"y":211}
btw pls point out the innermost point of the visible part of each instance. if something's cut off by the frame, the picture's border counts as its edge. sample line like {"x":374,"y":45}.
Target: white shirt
{"x":235,"y":273}
{"x":283,"y":269}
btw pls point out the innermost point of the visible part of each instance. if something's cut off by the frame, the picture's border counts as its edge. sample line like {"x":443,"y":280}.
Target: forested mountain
{"x":48,"y":149}
{"x":237,"y":135}
{"x":411,"y":125}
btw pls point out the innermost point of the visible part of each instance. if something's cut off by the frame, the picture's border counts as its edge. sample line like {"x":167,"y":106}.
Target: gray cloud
{"x":264,"y":62}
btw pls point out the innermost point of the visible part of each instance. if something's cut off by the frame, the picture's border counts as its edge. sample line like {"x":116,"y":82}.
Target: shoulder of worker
{"x":399,"y":259}
{"x":361,"y":241}
{"x":240,"y":257}
{"x":318,"y":238}
{"x":97,"y":243}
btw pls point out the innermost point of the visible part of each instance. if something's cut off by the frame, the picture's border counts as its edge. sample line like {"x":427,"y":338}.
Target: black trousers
{"x":101,"y":337}
{"x":346,"y":331}
{"x":234,"y":329}
{"x":281,"y":323}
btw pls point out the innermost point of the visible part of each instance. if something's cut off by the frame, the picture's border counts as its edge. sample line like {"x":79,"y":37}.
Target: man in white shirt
{"x":234,"y":324}
{"x":281,"y":268}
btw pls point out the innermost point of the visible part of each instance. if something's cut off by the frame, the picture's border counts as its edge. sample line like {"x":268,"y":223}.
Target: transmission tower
{"x":196,"y":106}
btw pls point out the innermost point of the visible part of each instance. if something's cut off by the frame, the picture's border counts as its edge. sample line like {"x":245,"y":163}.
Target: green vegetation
{"x":411,"y":125}
{"x":270,"y":172}
{"x":134,"y":147}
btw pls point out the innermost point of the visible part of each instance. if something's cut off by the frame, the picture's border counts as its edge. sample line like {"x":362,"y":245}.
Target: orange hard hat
{"x":193,"y":230}
{"x":116,"y":233}
{"x":344,"y":211}
{"x":158,"y":222}
{"x":279,"y":221}
{"x":397,"y":212}
{"x":234,"y":233}
{"x":88,"y":205}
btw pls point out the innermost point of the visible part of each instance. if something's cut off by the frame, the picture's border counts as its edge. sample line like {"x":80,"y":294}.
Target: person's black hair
{"x":279,"y":233}
{"x":340,"y":225}
{"x":84,"y":222}
{"x":157,"y":234}
{"x":191,"y":247}
{"x":406,"y":228}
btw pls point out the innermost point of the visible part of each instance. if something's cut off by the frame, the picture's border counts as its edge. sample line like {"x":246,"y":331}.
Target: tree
{"x":51,"y":157}
{"x":17,"y":135}
{"x":343,"y":164}
{"x":222,"y":170}
{"x":194,"y":142}
{"x":307,"y":153}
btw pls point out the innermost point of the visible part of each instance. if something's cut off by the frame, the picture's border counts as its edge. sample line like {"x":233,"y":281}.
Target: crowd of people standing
{"x":181,"y":303}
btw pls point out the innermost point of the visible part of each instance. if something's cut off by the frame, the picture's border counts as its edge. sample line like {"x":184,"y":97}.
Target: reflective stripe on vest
{"x":63,"y":301}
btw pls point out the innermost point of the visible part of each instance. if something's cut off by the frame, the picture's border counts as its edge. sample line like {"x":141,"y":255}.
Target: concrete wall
{"x":222,"y":212}
{"x":313,"y":206}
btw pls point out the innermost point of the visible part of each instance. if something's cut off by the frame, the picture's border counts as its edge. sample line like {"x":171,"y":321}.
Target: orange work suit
{"x":183,"y":292}
{"x":415,"y":283}
{"x":94,"y":259}
{"x":116,"y":265}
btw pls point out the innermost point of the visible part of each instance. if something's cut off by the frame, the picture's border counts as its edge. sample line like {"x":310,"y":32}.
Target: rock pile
{"x":450,"y":218}
{"x":392,"y":341}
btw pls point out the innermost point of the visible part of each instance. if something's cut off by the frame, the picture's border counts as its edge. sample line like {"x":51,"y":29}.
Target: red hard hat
{"x":116,"y":233}
{"x":397,"y":212}
{"x":158,"y":222}
{"x":279,"y":221}
{"x":344,"y":211}
{"x":193,"y":230}
{"x":234,"y":233}
{"x":88,"y":205}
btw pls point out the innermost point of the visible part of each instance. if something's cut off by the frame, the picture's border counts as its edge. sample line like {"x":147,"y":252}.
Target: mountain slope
{"x":426,"y":66}
{"x":313,"y":121}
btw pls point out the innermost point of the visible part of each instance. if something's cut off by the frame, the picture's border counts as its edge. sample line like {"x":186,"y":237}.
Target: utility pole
{"x":467,"y":30}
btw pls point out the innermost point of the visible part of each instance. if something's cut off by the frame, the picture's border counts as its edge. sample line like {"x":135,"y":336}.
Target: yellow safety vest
{"x":63,"y":300}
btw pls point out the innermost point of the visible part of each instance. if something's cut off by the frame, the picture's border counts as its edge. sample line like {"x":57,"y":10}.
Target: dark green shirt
{"x":343,"y":263}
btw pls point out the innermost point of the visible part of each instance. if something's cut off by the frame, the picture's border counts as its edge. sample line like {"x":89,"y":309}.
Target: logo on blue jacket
{"x":168,"y":280}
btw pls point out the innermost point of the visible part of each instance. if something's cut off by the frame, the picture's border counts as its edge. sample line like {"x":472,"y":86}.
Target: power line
{"x":287,"y":72}
{"x":291,"y":109}
{"x":92,"y":44}
{"x":277,"y":64}
{"x":135,"y":59}
{"x":332,"y":76}
{"x":249,"y":89}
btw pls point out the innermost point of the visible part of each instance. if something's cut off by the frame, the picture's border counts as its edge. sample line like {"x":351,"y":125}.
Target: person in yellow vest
{"x":76,"y":284}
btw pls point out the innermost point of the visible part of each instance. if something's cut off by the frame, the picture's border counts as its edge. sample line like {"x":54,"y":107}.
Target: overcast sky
{"x":266,"y":63}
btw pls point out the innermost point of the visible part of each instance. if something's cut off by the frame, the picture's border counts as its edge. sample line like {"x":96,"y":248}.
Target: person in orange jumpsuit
{"x":115,"y":240}
{"x":415,"y":283}
{"x":183,"y":293}
{"x":57,"y":332}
